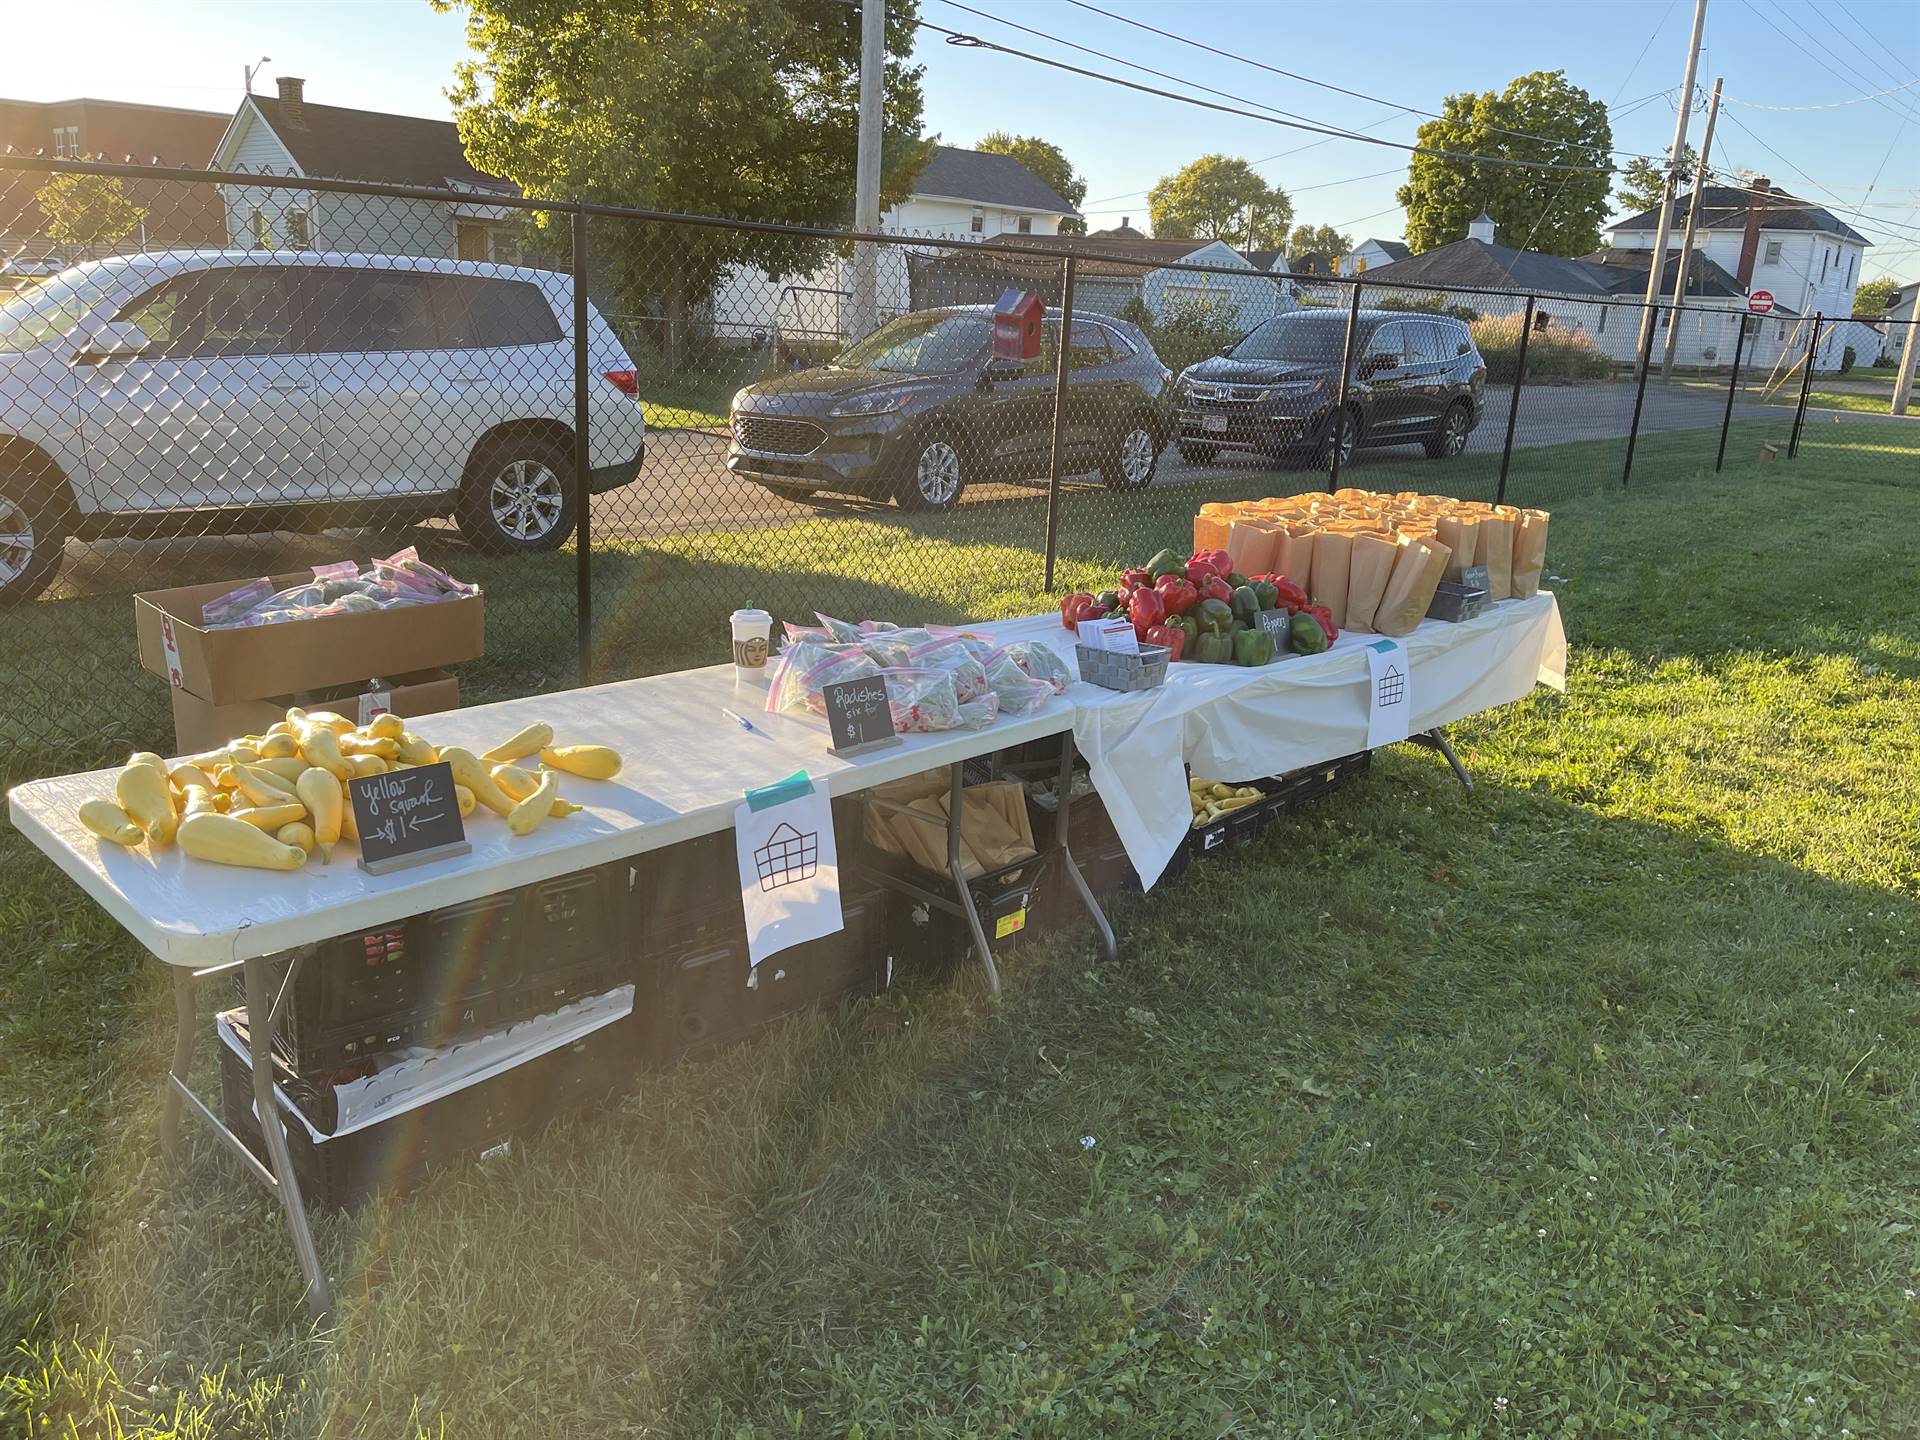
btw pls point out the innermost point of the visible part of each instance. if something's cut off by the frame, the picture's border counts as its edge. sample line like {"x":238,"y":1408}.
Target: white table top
{"x":686,"y":765}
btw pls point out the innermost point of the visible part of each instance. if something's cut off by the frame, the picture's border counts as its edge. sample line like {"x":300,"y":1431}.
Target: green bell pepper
{"x":1235,"y":579}
{"x":1213,"y":616}
{"x":1214,"y":649}
{"x":1189,"y":627}
{"x":1253,"y":647}
{"x":1246,"y":604}
{"x":1268,"y":592}
{"x":1166,"y":563}
{"x":1308,"y":638}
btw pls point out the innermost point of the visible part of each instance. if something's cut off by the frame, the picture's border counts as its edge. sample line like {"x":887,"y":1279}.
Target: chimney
{"x":1481,"y":228}
{"x":293,"y":108}
{"x":1125,"y":221}
{"x":1750,"y":238}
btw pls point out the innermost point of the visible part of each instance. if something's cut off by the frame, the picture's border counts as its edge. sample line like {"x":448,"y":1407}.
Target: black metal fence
{"x":316,"y":371}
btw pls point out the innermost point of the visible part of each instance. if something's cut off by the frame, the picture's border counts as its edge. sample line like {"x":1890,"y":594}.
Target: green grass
{"x":1587,"y":1105}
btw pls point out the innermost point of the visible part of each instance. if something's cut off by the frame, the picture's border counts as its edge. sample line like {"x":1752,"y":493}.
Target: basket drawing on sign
{"x":787,"y":858}
{"x":1393,"y":686}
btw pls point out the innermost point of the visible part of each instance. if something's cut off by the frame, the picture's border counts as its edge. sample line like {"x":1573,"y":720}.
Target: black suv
{"x":1416,"y":379}
{"x":920,"y":409}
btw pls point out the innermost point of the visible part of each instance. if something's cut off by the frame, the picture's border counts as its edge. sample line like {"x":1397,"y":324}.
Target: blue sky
{"x":399,"y":54}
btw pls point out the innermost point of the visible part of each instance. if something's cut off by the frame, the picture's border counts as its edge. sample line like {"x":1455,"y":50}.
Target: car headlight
{"x":876,"y":402}
{"x":1293,"y":387}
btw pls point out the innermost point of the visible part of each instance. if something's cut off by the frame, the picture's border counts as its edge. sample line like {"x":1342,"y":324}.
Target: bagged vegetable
{"x":969,"y":676}
{"x":923,"y":701}
{"x":809,"y":665}
{"x":1368,"y":570}
{"x":1016,"y":690}
{"x":1042,"y":662}
{"x":1416,"y":575}
{"x":1529,"y":554}
{"x":1332,"y":556}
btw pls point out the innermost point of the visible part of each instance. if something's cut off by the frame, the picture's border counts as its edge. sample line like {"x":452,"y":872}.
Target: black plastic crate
{"x":341,"y":1172}
{"x":1299,"y":788}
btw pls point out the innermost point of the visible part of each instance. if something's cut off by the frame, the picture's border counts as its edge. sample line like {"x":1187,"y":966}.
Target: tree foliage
{"x":745,"y":108}
{"x":1212,"y":197}
{"x":88,"y":210}
{"x":1640,"y":182}
{"x":1318,"y":240}
{"x":1875,"y":297}
{"x":1557,"y":211}
{"x":1044,"y":158}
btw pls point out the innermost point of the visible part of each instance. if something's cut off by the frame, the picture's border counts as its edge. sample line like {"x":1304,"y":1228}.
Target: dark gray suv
{"x":1416,"y":379}
{"x":920,"y":409}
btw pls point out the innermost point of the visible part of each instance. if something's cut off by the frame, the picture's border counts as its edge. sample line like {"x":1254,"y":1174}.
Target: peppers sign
{"x":1760,"y":302}
{"x":1016,"y":325}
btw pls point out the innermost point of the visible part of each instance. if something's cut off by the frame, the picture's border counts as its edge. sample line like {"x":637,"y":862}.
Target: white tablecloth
{"x":1231,"y":723}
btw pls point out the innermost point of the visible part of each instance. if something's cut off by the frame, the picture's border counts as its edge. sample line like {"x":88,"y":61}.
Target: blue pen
{"x":745,"y":724}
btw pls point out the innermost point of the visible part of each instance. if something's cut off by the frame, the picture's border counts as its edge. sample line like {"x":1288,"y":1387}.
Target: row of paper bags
{"x":1375,"y":560}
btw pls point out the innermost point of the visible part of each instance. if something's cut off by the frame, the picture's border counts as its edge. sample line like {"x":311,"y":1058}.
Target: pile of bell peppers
{"x":1203,"y":610}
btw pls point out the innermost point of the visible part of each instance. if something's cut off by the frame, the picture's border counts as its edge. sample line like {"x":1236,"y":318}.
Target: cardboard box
{"x":199,"y":725}
{"x":258,"y":662}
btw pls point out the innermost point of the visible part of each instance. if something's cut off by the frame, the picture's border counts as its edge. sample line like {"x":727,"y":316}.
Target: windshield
{"x":46,"y":312}
{"x":918,"y":345}
{"x":1302,"y":338}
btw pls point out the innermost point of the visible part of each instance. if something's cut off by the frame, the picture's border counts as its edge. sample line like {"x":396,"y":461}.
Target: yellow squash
{"x":271,"y":817}
{"x":299,"y":836}
{"x":519,"y":784}
{"x":590,"y":762}
{"x":468,"y":771}
{"x":415,"y":751}
{"x":385,"y":727}
{"x":289,"y":768}
{"x":321,"y":794}
{"x":144,"y":794}
{"x":530,"y":741}
{"x":464,"y":798}
{"x":367,"y":765}
{"x":261,"y":786}
{"x":386,"y":747}
{"x":198,"y":798}
{"x":187,"y":773}
{"x":279,"y":747}
{"x":227,"y":841}
{"x":110,"y":822}
{"x":528,"y":814}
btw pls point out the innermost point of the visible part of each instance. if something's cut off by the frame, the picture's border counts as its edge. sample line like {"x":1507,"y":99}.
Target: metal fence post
{"x":582,"y":507}
{"x":1640,"y":392}
{"x":1338,"y":421}
{"x":1059,"y":414}
{"x":1806,"y":384}
{"x":1513,"y":405}
{"x":1733,"y":386}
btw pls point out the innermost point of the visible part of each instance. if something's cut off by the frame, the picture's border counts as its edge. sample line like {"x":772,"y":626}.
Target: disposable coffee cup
{"x":751,"y":632}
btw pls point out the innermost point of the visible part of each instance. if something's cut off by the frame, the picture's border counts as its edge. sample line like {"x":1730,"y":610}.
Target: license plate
{"x":1214,"y":424}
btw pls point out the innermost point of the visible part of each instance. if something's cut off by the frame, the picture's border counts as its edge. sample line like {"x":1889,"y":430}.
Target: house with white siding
{"x":1372,"y":254}
{"x":285,"y":134}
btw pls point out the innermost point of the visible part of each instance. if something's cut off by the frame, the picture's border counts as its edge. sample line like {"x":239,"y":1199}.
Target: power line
{"x":1885,"y":226}
{"x":1830,"y":105}
{"x":1800,"y":45}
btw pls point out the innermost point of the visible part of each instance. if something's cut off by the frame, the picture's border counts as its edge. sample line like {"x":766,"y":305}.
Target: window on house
{"x":1825,"y":255}
{"x":297,"y":237}
{"x":979,"y":222}
{"x":1601,"y":328}
{"x":262,"y":230}
{"x":66,"y":141}
{"x":1773,"y":252}
{"x":1026,"y":224}
{"x":1850,"y":260}
{"x":470,"y":240}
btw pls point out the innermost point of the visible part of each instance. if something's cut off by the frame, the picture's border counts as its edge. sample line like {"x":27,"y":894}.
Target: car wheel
{"x":788,"y":492}
{"x":937,"y":474}
{"x":32,"y":533}
{"x":1342,"y":430}
{"x":518,"y":497}
{"x":1451,"y":438}
{"x":1134,"y":456}
{"x":1197,"y":452}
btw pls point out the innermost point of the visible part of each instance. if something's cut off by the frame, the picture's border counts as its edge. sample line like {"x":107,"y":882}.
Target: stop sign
{"x":1760,"y":302}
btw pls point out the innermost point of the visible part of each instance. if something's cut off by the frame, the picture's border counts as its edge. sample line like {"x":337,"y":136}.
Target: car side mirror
{"x":1374,"y":364}
{"x":117,"y":340}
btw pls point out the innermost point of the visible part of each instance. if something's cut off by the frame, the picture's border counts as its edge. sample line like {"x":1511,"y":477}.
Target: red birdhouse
{"x":1016,"y":325}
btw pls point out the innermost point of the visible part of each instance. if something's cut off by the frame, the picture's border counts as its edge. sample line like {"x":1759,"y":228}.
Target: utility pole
{"x":1666,"y":191}
{"x":1903,"y":380}
{"x":866,"y":183}
{"x":1693,"y":224}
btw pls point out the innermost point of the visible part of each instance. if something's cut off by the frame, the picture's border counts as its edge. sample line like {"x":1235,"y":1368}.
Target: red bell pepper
{"x":1292,"y":597}
{"x":1325,"y":617}
{"x":1199,"y":572}
{"x":1137,"y":579}
{"x":1145,"y":610}
{"x":1177,"y":593}
{"x":1218,"y":561}
{"x":1075,"y":608}
{"x":1216,"y":588}
{"x":1171,"y":636}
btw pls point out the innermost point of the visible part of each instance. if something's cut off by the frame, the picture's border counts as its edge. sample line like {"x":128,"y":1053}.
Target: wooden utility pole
{"x":1903,"y":381}
{"x":865,"y":317}
{"x":1664,"y":227}
{"x":1686,"y":243}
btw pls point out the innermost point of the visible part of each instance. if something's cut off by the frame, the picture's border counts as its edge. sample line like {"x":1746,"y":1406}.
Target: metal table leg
{"x":1435,"y":739}
{"x":1063,"y":791}
{"x":959,"y":873}
{"x":260,"y":1011}
{"x":181,"y":1071}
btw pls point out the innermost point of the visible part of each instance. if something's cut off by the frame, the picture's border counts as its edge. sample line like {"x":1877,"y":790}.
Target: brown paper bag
{"x":1293,"y":554}
{"x":1461,"y":534}
{"x":1495,"y":551}
{"x":1210,"y":530}
{"x":1250,"y":546}
{"x":1368,"y":570}
{"x":1416,"y":575}
{"x":994,"y":828}
{"x":1331,"y":554}
{"x":1529,"y":554}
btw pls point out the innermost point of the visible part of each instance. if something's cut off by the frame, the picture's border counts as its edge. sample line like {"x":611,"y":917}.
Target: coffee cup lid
{"x":751,"y":615}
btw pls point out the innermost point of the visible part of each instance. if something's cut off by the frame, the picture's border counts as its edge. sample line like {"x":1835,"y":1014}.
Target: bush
{"x":1190,"y":330}
{"x":1135,"y":312}
{"x":1847,"y":357}
{"x":1552,"y":353}
{"x":1428,"y":305}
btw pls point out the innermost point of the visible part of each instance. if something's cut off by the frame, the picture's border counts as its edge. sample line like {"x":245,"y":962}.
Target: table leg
{"x":182,"y":1068}
{"x":1436,"y":739}
{"x":260,"y":1042}
{"x":1063,"y":791}
{"x":959,"y":873}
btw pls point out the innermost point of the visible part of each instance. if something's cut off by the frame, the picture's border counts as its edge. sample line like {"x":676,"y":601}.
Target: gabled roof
{"x":1495,"y":267}
{"x":1148,"y":250}
{"x":1705,"y":278}
{"x":1263,"y":259}
{"x":1724,"y":207}
{"x":335,"y":143}
{"x":1395,"y":249}
{"x":987,"y":180}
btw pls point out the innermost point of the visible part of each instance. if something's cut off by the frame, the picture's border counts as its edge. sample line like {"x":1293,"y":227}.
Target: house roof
{"x":1263,"y":259}
{"x":1495,"y":267}
{"x":1396,"y":249}
{"x":1146,"y":249}
{"x":1724,"y":207}
{"x":341,"y":144}
{"x":1120,"y":232}
{"x":1705,"y":278}
{"x":988,"y":180}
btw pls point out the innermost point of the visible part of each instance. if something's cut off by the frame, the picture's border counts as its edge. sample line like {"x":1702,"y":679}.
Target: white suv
{"x":197,"y":392}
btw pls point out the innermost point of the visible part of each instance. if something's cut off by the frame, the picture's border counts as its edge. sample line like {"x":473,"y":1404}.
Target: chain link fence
{"x":624,"y":424}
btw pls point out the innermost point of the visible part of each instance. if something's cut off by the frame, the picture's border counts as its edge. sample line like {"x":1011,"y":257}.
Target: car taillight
{"x":627,"y":382}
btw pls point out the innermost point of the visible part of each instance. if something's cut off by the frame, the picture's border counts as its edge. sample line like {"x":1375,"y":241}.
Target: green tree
{"x":1640,"y":182}
{"x":1318,"y":240}
{"x":1048,"y":161}
{"x":745,"y":108}
{"x":1875,"y":297}
{"x":1558,"y":211}
{"x":88,"y":210}
{"x":1212,"y":199}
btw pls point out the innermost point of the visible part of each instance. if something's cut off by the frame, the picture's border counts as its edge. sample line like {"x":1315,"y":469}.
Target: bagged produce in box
{"x":1250,"y":545}
{"x":1495,"y":550}
{"x":1368,"y":569}
{"x":1460,"y":534}
{"x":1332,"y":556}
{"x":1529,"y":554}
{"x":1416,"y":575}
{"x":1293,"y":555}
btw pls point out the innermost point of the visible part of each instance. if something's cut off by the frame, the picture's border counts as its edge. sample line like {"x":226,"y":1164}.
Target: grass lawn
{"x":1584,"y":1105}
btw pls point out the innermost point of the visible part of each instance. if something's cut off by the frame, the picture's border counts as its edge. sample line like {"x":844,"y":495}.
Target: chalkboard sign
{"x":859,"y":716}
{"x":406,"y":817}
{"x":1279,"y":624}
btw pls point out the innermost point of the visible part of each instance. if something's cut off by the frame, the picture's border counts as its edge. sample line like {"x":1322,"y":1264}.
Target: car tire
{"x":936,"y":473}
{"x":1344,"y":430}
{"x":784,"y":491}
{"x":33,"y":530}
{"x":1451,"y":438}
{"x":1133,"y":457}
{"x":518,"y":496}
{"x":1197,"y":452}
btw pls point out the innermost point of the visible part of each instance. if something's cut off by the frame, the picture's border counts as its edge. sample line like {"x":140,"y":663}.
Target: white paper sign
{"x":375,"y":703}
{"x":172,"y":647}
{"x":789,"y":872}
{"x":1389,"y":693}
{"x":1116,"y":634}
